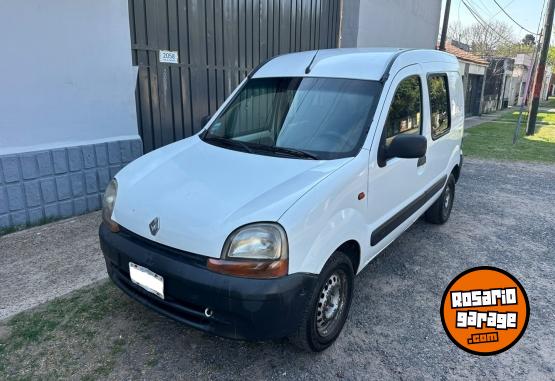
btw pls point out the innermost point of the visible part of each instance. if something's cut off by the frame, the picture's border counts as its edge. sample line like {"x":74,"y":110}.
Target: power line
{"x":482,"y":6}
{"x":540,"y":69}
{"x":506,"y":5}
{"x":516,"y":133}
{"x":483,"y":23}
{"x":512,"y":19}
{"x":541,"y":17}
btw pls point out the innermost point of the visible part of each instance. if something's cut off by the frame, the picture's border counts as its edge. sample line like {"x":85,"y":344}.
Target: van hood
{"x":201,"y":193}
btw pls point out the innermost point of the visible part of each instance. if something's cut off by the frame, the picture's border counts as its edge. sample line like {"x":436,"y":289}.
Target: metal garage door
{"x":218,"y":43}
{"x":473,"y":95}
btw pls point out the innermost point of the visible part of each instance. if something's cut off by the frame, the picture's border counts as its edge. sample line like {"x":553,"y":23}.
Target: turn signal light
{"x":250,"y":269}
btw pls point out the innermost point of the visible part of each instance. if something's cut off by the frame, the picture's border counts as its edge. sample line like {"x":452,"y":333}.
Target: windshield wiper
{"x":294,"y":152}
{"x":260,"y":147}
{"x":228,"y":142}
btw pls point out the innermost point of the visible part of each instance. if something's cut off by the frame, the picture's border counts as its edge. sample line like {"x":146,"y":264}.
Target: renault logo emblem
{"x":154,"y":226}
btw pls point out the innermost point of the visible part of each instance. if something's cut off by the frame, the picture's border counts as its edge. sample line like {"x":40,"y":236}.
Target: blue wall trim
{"x":61,"y":182}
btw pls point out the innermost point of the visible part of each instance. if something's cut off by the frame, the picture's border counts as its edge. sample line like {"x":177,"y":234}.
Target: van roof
{"x":367,"y":63}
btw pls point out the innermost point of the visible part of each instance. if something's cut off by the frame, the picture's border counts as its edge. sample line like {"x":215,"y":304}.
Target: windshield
{"x":310,"y":118}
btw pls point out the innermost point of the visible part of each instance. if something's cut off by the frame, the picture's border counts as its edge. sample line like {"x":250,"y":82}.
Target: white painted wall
{"x":67,"y":77}
{"x":392,"y":23}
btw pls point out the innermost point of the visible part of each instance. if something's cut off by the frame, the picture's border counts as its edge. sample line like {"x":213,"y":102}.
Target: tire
{"x":327,"y":311}
{"x":440,"y":210}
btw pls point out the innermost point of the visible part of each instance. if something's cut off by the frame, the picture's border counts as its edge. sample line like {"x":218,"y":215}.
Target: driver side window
{"x":405,"y":112}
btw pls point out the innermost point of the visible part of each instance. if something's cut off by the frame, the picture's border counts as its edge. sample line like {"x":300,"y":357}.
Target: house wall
{"x":67,"y":106}
{"x":546,"y":81}
{"x":391,"y":23}
{"x":217,"y":43}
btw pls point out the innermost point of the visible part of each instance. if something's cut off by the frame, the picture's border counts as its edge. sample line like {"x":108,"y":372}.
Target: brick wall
{"x":59,"y":183}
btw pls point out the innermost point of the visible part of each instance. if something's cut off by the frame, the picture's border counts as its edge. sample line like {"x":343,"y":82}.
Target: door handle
{"x":421,"y":161}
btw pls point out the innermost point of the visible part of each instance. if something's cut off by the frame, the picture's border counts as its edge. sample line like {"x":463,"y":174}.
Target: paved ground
{"x":504,"y":216}
{"x":41,"y":263}
{"x":474,"y":121}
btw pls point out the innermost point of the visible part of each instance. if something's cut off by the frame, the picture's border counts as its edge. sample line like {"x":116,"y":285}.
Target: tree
{"x":551,"y":56}
{"x":457,"y":31}
{"x":484,"y":40}
{"x":529,"y":40}
{"x":512,"y":49}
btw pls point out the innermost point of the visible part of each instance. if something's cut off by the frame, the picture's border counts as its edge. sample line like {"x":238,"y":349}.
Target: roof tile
{"x":464,"y":55}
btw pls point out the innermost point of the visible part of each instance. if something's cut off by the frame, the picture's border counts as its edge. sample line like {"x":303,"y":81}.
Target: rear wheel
{"x":440,"y":210}
{"x":329,"y":306}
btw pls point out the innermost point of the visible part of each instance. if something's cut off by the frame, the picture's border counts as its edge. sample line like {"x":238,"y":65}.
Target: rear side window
{"x":405,"y":113}
{"x":438,"y":86}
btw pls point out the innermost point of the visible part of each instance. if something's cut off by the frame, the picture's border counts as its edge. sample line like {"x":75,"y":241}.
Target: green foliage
{"x":438,"y":95}
{"x":511,"y":50}
{"x":551,"y":56}
{"x":407,"y":98}
{"x":54,"y":340}
{"x":529,"y":40}
{"x":493,"y":140}
{"x":542,"y":117}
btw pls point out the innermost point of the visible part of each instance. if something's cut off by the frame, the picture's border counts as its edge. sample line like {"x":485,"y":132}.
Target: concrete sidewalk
{"x":44,"y":262}
{"x":473,"y":121}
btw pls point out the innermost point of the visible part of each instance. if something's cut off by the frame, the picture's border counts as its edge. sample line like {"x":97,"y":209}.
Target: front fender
{"x":327,"y":216}
{"x":345,"y":225}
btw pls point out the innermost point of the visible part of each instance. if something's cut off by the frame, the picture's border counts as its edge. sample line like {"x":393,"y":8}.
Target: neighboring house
{"x":393,"y":23}
{"x":67,"y":106}
{"x":523,"y":63}
{"x":546,"y":88}
{"x":497,"y":88}
{"x":551,"y":87}
{"x":520,"y":77}
{"x":84,"y":90}
{"x":473,"y":71}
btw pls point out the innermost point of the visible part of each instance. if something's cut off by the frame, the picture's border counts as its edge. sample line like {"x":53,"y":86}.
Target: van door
{"x":397,"y":187}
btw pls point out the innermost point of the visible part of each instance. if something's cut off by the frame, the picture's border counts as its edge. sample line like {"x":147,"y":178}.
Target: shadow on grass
{"x":543,"y":117}
{"x":493,"y":140}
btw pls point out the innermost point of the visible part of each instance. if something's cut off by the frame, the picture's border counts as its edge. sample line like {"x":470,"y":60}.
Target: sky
{"x":526,"y":12}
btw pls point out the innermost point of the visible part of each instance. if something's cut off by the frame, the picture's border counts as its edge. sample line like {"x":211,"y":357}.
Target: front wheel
{"x":440,"y":210}
{"x":325,"y":315}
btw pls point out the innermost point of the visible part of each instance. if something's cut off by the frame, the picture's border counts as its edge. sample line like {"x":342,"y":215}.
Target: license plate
{"x":148,"y":280}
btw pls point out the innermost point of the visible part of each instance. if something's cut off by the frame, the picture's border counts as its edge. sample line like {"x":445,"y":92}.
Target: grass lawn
{"x":549,"y":103}
{"x":492,"y":140}
{"x":544,"y":117}
{"x":57,"y":340}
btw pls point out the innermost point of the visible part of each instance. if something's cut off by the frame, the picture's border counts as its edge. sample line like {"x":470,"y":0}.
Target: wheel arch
{"x":456,"y":172}
{"x":352,"y":250}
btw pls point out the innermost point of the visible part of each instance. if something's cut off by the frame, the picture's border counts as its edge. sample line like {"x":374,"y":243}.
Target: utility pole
{"x":445,"y":25}
{"x":540,"y":71}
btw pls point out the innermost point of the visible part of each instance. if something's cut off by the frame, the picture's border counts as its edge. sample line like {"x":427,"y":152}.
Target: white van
{"x":255,"y":227}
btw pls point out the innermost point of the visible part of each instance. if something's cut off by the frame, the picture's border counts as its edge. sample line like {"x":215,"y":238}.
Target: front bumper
{"x":251,"y":309}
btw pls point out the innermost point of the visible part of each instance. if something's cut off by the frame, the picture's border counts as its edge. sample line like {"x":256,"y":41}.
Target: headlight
{"x":108,"y":203}
{"x":257,"y":241}
{"x":254,"y":251}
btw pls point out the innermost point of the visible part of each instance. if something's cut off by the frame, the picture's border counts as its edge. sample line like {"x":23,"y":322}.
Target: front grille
{"x":194,"y":259}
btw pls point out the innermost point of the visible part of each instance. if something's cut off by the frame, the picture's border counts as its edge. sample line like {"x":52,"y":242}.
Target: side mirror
{"x":407,"y":147}
{"x":205,"y":119}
